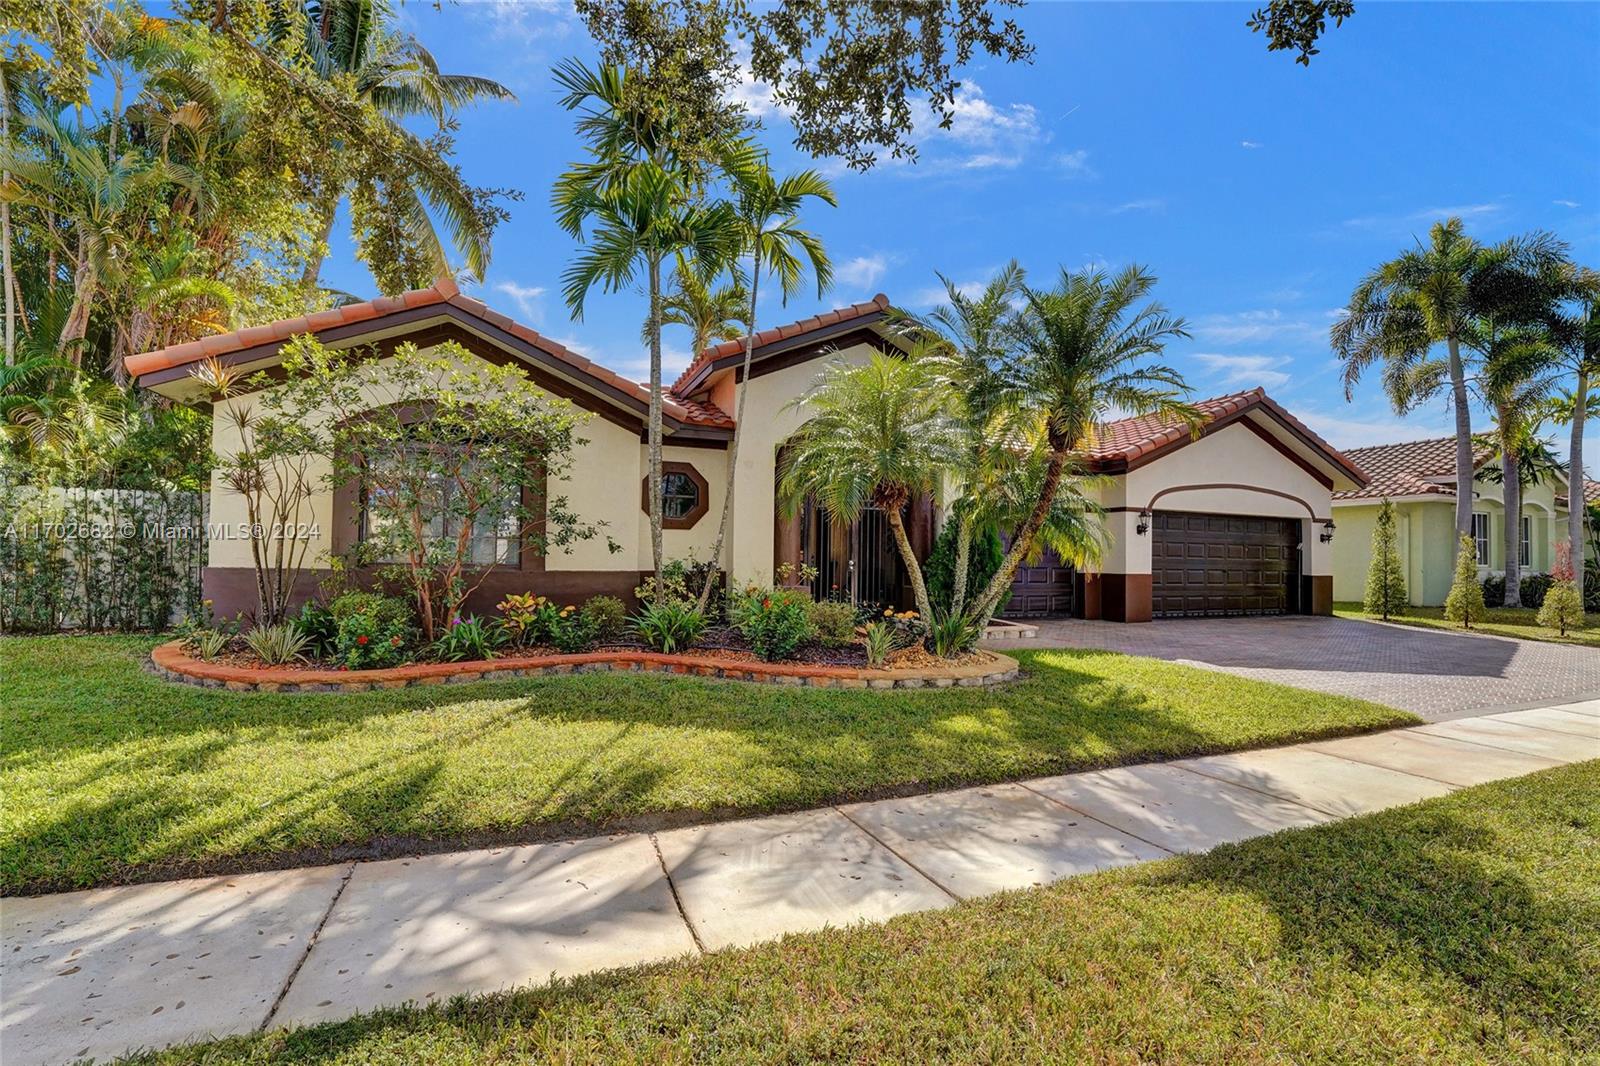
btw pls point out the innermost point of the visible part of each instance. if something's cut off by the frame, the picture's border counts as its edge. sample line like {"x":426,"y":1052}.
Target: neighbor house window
{"x":1525,"y":555}
{"x":1480,"y":536}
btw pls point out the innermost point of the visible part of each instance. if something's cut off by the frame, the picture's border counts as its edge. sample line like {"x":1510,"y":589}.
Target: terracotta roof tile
{"x":1411,"y":468}
{"x":771,"y":334}
{"x":1128,"y":439}
{"x":1591,"y":491}
{"x":442,"y":291}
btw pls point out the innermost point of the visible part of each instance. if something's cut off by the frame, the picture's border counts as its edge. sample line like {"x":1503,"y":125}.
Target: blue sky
{"x":1257,"y":190}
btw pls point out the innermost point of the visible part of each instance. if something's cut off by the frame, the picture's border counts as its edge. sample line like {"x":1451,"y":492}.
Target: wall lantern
{"x":1327,"y":531}
{"x":1144,"y":523}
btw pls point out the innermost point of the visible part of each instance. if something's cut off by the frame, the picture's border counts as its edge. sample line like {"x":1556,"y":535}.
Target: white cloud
{"x":525,"y":20}
{"x":1270,"y":324}
{"x":1154,"y":203}
{"x":1075,"y":163}
{"x":1250,"y":144}
{"x":863,"y":271}
{"x":635,"y":365}
{"x":1344,"y":432}
{"x":1566,"y":203}
{"x":526,"y":297}
{"x":935,"y":295}
{"x":1428,"y":215}
{"x":1247,"y":369}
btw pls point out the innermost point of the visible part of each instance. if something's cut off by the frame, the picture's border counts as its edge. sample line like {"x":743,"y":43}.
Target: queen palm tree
{"x":1521,"y":369}
{"x":1398,"y":313}
{"x":877,"y":435}
{"x":1576,"y":330}
{"x":352,"y":41}
{"x":634,"y":204}
{"x":1084,"y":351}
{"x":768,"y":220}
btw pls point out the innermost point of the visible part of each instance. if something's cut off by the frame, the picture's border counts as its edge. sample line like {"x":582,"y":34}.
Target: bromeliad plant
{"x":469,"y":639}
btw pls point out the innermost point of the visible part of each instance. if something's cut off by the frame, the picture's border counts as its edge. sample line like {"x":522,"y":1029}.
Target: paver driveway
{"x":1432,"y":673}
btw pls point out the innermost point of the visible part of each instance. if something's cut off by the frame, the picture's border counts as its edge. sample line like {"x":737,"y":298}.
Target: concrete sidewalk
{"x":101,"y":972}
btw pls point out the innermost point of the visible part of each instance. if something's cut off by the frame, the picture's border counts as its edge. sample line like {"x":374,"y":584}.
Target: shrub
{"x":606,"y":616}
{"x":319,"y":627}
{"x":528,"y":618}
{"x":1494,"y":589}
{"x":1562,"y":607}
{"x":373,"y":638}
{"x":908,"y":626}
{"x":880,"y":640}
{"x":209,"y":643}
{"x":1533,"y":589}
{"x":1591,"y":586}
{"x":572,"y":630}
{"x":469,"y":638}
{"x":670,"y":625}
{"x":1464,"y":604}
{"x":775,"y":621}
{"x":983,"y":561}
{"x":952,"y":635}
{"x":276,"y":645}
{"x":834,"y":622}
{"x":386,"y":609}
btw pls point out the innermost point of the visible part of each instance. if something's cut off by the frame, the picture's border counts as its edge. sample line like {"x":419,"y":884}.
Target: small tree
{"x":1563,"y":604}
{"x":1386,"y":580}
{"x":1465,"y":602}
{"x":451,"y":456}
{"x":270,"y":471}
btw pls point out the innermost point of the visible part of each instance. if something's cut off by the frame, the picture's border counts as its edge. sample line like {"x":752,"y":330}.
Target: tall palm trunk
{"x":983,"y":606}
{"x":1458,"y":392}
{"x":1511,"y":484}
{"x":740,"y":387}
{"x":1575,"y":495}
{"x":85,"y":280}
{"x":958,"y":589}
{"x":654,"y":431}
{"x":919,"y":587}
{"x":5,"y":228}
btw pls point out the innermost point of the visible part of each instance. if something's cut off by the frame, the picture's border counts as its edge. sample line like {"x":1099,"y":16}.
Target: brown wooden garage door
{"x":1211,"y":564}
{"x":1041,"y":591}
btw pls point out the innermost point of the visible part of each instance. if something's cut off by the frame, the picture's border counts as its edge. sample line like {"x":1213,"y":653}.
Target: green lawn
{"x":1457,"y":930}
{"x":111,"y":774}
{"x":1503,"y":621}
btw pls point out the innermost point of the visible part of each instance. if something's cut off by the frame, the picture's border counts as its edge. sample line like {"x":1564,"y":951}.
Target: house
{"x":1232,"y":516}
{"x":1419,"y":478}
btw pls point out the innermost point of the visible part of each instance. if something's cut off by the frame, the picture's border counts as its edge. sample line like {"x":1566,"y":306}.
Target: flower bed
{"x":173,"y":662}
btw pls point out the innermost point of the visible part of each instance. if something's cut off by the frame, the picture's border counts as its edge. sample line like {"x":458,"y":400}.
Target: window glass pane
{"x":1526,"y":547}
{"x":1480,"y":536}
{"x":495,"y":539}
{"x":679,"y":495}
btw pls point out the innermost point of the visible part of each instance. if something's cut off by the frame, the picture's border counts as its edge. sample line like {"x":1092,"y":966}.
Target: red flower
{"x":394,"y":642}
{"x":362,"y":640}
{"x":766,"y":604}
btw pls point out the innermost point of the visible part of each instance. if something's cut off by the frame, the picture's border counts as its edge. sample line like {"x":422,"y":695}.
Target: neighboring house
{"x":1419,"y":479}
{"x":1232,"y":516}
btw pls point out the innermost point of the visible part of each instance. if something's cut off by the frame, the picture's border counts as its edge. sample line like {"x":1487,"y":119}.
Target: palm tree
{"x":1520,"y":372}
{"x":968,"y":338}
{"x":94,"y":194}
{"x":1576,"y":329}
{"x":768,"y":212}
{"x":876,"y":435}
{"x":1398,"y":313}
{"x":1084,"y":351}
{"x":351,"y":41}
{"x":640,"y":205}
{"x":711,"y":312}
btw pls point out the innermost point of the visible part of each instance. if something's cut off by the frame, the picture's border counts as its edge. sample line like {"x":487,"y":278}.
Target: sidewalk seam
{"x":311,"y":942}
{"x":886,"y":847}
{"x":677,"y":900}
{"x":1064,"y":805}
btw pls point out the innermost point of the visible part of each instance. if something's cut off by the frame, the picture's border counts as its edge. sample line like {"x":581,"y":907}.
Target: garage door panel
{"x":1041,"y":591}
{"x":1209,"y":565}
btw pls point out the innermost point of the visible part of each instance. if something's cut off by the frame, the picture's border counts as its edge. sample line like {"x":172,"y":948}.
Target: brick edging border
{"x":172,"y":663}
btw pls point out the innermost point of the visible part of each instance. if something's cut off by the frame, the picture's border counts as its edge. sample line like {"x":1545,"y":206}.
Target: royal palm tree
{"x":1521,"y":369}
{"x":352,"y":41}
{"x":876,"y":435}
{"x":1398,"y":313}
{"x":1575,"y":327}
{"x":634,"y":204}
{"x":1085,"y":350}
{"x":768,"y":216}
